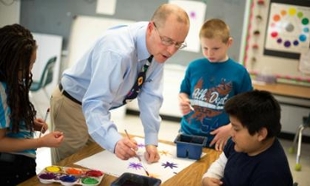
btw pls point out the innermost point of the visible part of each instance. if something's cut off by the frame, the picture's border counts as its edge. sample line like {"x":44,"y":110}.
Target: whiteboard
{"x":84,"y":32}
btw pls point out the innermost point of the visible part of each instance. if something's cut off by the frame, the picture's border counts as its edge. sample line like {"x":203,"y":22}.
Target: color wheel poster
{"x":288,"y":28}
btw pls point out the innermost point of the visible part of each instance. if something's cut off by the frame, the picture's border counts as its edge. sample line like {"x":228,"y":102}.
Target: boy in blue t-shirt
{"x":208,"y":83}
{"x":253,"y":156}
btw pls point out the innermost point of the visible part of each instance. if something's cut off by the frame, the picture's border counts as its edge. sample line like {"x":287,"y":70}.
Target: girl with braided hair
{"x":18,"y":120}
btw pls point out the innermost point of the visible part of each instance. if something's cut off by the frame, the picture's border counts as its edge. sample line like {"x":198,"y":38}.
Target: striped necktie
{"x":134,"y":91}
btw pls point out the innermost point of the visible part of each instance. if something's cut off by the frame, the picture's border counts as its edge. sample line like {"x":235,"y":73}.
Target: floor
{"x":168,"y":131}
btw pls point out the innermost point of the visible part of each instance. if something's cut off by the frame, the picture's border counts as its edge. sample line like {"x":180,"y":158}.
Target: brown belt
{"x":65,"y":93}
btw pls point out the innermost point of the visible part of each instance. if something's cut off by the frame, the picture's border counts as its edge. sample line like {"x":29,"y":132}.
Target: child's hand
{"x":38,"y":124}
{"x":185,"y":104}
{"x":221,"y":136}
{"x":207,"y":181}
{"x":52,"y":139}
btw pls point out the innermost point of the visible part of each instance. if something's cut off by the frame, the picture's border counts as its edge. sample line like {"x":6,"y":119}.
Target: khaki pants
{"x":67,"y":117}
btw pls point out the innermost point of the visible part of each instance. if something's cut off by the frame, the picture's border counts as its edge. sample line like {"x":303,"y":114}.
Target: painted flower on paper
{"x":136,"y":166}
{"x":169,"y":164}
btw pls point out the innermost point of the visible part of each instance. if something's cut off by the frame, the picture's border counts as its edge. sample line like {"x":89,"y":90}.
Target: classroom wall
{"x":56,"y":17}
{"x":9,"y":12}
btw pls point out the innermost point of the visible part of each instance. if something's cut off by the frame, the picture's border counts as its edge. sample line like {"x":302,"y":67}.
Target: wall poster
{"x":288,"y":30}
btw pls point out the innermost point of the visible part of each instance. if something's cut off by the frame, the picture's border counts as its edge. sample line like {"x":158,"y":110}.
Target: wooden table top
{"x":191,"y":175}
{"x":285,"y":90}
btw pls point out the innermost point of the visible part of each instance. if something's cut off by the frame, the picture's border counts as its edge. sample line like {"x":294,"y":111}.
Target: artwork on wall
{"x":277,"y":40}
{"x":168,"y":165}
{"x":304,"y":62}
{"x":106,"y":7}
{"x":196,"y":12}
{"x":288,"y":30}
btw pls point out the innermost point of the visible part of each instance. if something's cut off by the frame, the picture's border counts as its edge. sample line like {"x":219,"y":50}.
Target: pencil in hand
{"x":45,"y":118}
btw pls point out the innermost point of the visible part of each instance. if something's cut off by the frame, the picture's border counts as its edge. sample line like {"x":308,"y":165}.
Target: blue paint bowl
{"x":190,"y":146}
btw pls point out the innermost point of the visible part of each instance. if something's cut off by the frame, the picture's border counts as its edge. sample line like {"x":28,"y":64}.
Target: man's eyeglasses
{"x":168,"y":41}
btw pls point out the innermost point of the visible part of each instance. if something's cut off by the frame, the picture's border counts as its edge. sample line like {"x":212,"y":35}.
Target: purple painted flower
{"x":169,"y":164}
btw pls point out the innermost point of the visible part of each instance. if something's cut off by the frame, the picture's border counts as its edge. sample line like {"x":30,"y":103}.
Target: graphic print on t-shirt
{"x":209,"y":103}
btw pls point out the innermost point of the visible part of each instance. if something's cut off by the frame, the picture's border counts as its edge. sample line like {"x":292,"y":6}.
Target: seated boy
{"x":253,"y":156}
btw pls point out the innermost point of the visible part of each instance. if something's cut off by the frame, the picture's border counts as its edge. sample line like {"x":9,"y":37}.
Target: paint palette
{"x":70,"y":176}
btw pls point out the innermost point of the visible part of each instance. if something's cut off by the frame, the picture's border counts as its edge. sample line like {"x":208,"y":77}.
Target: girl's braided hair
{"x":16,"y":48}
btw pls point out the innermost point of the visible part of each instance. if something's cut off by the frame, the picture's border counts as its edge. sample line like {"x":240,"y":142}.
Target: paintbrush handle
{"x":138,"y":157}
{"x":45,"y":118}
{"x":146,"y":172}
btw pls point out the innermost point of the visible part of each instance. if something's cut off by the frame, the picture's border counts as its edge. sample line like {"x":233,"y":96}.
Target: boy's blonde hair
{"x":215,"y":28}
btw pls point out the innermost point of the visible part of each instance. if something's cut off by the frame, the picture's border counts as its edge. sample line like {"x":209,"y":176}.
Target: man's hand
{"x":126,"y":148}
{"x":151,"y":154}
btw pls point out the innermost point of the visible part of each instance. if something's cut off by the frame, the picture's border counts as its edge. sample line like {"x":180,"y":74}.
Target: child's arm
{"x":8,"y":144}
{"x":215,"y":172}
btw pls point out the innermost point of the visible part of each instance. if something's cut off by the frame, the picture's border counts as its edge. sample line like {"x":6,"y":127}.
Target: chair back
{"x":48,"y":72}
{"x":306,"y":120}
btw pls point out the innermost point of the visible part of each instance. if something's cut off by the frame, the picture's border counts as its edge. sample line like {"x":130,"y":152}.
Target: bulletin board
{"x":278,"y":40}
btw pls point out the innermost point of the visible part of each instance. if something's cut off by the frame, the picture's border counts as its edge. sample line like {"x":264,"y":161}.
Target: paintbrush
{"x":46,"y":115}
{"x":146,"y":172}
{"x":191,"y":106}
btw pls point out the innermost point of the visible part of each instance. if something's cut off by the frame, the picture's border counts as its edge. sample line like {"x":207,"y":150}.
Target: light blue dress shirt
{"x":105,"y":74}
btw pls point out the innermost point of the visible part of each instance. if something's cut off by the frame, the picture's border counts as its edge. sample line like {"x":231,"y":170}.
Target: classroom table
{"x":301,"y":92}
{"x":191,"y":175}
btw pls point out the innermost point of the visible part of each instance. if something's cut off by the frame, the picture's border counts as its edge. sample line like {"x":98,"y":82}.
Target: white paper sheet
{"x":304,"y":62}
{"x":168,"y":165}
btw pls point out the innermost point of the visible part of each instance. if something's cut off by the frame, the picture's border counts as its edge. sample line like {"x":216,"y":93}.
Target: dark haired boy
{"x":254,"y":155}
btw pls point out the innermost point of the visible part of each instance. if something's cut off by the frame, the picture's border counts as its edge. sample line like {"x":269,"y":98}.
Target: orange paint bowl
{"x":74,"y":171}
